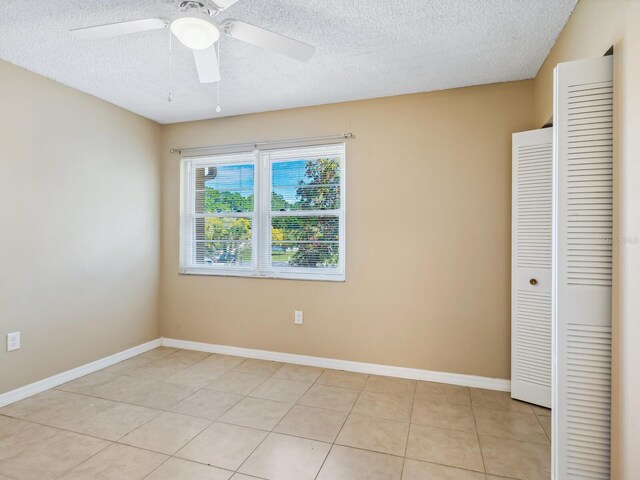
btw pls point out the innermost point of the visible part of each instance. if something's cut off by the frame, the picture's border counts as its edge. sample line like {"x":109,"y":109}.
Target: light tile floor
{"x":173,"y":414}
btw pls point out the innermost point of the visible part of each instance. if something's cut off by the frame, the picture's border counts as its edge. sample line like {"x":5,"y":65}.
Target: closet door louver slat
{"x":531,"y":250}
{"x":583,"y":268}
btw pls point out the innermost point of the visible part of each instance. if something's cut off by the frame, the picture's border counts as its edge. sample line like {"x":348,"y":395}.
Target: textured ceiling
{"x":365,"y":49}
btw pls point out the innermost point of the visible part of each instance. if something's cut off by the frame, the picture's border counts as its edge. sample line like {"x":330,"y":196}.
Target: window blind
{"x":218,"y":214}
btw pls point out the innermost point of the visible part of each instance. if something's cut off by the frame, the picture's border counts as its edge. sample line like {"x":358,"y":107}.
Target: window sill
{"x":317,"y":277}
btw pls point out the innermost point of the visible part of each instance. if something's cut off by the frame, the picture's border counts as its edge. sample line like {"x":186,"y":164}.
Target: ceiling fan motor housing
{"x":190,"y":5}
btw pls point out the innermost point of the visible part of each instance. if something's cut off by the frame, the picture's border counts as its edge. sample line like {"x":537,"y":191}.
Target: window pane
{"x":305,"y":184}
{"x":223,"y":241}
{"x":225,"y":188}
{"x":305,"y":241}
{"x":307,"y":255}
{"x":224,"y":253}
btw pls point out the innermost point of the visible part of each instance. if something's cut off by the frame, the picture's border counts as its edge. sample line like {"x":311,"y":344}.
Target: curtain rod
{"x":343,"y":136}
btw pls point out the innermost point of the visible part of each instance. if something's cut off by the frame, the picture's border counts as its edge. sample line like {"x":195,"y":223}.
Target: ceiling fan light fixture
{"x":195,"y":33}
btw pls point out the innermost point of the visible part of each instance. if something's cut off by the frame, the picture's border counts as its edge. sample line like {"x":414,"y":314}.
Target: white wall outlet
{"x":13,"y":341}
{"x":298,"y":317}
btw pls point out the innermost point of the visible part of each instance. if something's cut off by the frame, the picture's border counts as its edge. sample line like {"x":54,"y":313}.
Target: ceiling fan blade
{"x":268,"y":40}
{"x":207,"y":65}
{"x":121,"y":28}
{"x":222,"y":5}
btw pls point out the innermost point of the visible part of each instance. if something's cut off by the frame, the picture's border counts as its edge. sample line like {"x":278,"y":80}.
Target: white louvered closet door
{"x":583,"y":176}
{"x":531,"y":266}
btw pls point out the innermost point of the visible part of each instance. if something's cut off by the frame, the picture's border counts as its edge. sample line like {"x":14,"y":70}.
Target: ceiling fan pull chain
{"x":218,"y":109}
{"x":170,"y":98}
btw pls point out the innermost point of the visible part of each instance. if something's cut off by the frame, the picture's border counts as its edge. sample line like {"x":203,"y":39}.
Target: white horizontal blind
{"x":303,"y":211}
{"x":583,"y":165}
{"x":270,"y":213}
{"x":218,"y":218}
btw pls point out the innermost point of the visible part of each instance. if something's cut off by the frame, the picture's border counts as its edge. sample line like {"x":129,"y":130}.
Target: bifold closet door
{"x":583,"y":176}
{"x":532,"y":223}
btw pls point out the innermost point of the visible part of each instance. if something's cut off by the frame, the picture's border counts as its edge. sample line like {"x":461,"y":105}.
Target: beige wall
{"x":595,"y":26}
{"x":79,"y":213}
{"x":428,"y":270}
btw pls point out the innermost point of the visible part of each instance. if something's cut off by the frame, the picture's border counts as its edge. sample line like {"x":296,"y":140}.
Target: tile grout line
{"x":406,"y":446}
{"x":120,"y":442}
{"x":295,"y":403}
{"x":506,"y":438}
{"x":61,"y":429}
{"x":333,"y":444}
{"x":261,"y":441}
{"x":543,"y":429}
{"x":161,"y":463}
{"x":237,"y":470}
{"x":86,"y":459}
{"x":475,"y":422}
{"x":324,"y":461}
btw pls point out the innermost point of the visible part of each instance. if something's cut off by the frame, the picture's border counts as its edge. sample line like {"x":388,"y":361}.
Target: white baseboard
{"x":81,"y":371}
{"x":360,"y":367}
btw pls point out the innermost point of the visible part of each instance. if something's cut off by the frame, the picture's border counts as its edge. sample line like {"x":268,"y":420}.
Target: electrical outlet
{"x":13,"y":341}
{"x":298,"y":317}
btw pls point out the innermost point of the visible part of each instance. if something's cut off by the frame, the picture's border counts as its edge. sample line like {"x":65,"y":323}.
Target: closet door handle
{"x":533,"y":282}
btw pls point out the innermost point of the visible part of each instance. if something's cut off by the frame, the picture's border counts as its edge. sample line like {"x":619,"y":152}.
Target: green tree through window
{"x":309,"y":241}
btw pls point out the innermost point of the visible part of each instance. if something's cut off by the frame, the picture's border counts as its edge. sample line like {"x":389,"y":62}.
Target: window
{"x":267,"y":213}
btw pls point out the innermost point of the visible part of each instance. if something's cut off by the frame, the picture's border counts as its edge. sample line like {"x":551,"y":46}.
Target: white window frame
{"x":260,"y":267}
{"x":188,"y":214}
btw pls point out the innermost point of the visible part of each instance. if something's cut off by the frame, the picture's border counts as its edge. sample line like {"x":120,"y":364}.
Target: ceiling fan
{"x":197,"y":29}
